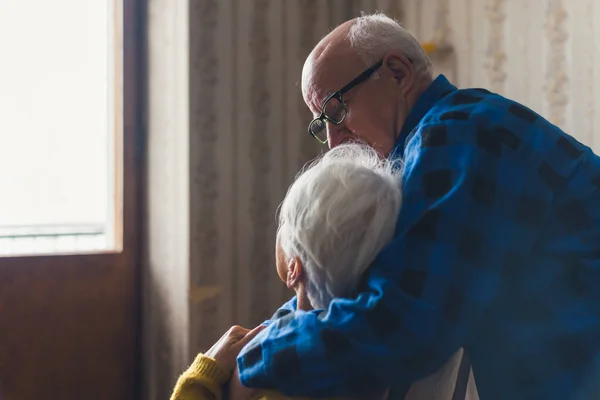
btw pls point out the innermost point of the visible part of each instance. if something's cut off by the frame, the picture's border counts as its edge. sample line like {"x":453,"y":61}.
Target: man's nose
{"x":337,"y":134}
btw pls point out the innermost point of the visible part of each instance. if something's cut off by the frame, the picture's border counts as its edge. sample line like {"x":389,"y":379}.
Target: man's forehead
{"x":324,"y":77}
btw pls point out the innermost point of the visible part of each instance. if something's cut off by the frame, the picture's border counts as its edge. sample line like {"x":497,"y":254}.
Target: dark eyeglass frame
{"x":339,"y":97}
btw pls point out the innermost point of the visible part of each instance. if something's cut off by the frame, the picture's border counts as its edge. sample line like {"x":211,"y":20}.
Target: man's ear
{"x":401,"y":69}
{"x":295,"y":272}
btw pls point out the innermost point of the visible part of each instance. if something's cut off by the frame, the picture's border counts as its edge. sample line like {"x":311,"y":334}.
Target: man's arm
{"x":462,"y":219}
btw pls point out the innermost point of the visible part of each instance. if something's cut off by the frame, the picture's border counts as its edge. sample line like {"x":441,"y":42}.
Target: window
{"x":60,"y":119}
{"x":71,"y":74}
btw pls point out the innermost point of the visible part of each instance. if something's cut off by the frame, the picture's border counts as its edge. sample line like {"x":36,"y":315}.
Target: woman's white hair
{"x":337,"y":216}
{"x":372,"y":36}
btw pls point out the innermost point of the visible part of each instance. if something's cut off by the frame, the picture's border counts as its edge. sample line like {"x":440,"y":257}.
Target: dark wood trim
{"x":135,"y":99}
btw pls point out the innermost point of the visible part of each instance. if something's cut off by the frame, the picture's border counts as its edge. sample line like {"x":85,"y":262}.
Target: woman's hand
{"x":226,"y":350}
{"x":237,"y":391}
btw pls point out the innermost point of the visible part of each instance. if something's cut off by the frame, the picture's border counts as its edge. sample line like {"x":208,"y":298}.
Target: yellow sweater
{"x":205,"y":377}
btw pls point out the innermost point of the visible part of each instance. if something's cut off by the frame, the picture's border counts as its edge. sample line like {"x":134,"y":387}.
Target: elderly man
{"x":496,"y":249}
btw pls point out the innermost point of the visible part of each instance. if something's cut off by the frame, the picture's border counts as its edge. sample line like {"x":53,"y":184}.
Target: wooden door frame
{"x":49,"y":304}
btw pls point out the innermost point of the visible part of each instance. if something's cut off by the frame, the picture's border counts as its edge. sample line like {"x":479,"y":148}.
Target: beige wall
{"x":543,"y":53}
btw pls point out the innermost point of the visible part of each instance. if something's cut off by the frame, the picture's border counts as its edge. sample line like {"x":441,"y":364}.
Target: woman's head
{"x":336,"y":217}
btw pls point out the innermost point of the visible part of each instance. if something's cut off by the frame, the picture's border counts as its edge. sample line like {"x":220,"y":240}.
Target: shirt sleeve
{"x":470,"y":206}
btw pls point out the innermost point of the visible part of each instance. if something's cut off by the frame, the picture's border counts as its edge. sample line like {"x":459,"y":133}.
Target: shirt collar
{"x":438,"y":89}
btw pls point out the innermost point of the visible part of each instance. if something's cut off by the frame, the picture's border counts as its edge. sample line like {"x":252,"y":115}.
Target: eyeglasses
{"x":334,"y":109}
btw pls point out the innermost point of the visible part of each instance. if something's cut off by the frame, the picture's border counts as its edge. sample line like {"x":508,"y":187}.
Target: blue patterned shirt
{"x":497,"y":250}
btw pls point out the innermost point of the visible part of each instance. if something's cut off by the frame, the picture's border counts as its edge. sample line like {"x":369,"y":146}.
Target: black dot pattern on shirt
{"x":257,"y":381}
{"x":484,"y":190}
{"x":569,"y":148}
{"x":575,"y":275}
{"x":531,"y":311}
{"x":282,"y":312}
{"x":286,"y":363}
{"x":465,"y":98}
{"x":285,"y":320}
{"x":522,"y":376}
{"x":508,"y":138}
{"x":573,"y":217}
{"x":335,"y":343}
{"x":453,"y":305}
{"x":422,"y":360}
{"x":437,"y":183}
{"x":530,"y":211}
{"x":488,"y":140}
{"x":572,"y":352}
{"x":253,"y":356}
{"x":426,"y":228}
{"x":454,"y":115}
{"x":434,"y":136}
{"x":512,"y":265}
{"x":362,"y":383}
{"x":523,"y":113}
{"x":383,"y":320}
{"x":550,"y":177}
{"x":470,"y":245}
{"x":412,"y":282}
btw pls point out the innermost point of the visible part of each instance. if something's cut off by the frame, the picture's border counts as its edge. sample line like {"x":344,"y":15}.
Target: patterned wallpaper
{"x":544,"y":53}
{"x":247,"y":141}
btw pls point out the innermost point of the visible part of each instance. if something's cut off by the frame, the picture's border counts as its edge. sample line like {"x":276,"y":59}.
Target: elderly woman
{"x":334,"y":220}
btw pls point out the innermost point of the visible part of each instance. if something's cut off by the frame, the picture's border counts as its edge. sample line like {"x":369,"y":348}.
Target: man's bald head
{"x":346,"y":52}
{"x":328,"y":55}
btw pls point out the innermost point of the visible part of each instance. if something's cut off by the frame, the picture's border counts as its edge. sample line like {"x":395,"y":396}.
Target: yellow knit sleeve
{"x":201,"y":381}
{"x":274,"y":395}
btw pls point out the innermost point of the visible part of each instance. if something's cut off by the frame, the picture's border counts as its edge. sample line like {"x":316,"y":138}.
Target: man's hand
{"x":228,"y":347}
